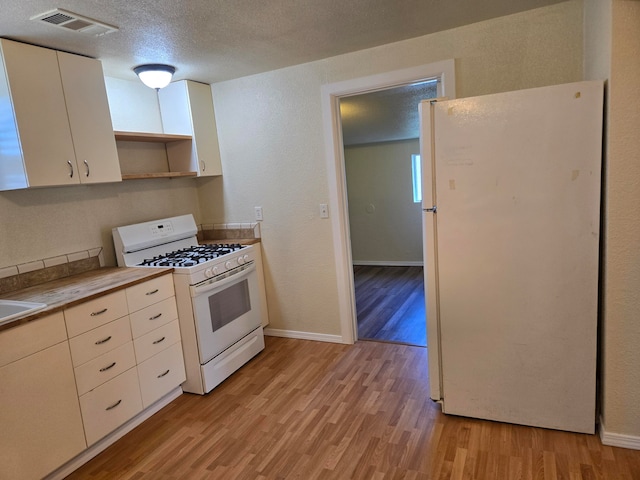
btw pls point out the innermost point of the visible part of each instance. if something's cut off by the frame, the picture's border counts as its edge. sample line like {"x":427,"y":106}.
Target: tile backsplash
{"x":228,"y":231}
{"x":33,"y":273}
{"x":28,"y":274}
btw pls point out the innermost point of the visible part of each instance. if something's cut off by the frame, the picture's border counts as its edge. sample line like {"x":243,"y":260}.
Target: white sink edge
{"x":29,"y":308}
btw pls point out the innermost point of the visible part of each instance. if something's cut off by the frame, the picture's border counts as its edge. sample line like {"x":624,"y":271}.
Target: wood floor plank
{"x":390,"y":304}
{"x":311,"y":410}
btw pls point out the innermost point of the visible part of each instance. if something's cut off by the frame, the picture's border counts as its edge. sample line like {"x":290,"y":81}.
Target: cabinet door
{"x":90,"y":120}
{"x":41,"y":426}
{"x":205,"y":135}
{"x":40,"y":114}
{"x":187,"y":109}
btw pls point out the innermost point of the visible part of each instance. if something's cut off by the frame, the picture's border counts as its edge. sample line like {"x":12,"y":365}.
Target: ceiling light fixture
{"x":155,"y":75}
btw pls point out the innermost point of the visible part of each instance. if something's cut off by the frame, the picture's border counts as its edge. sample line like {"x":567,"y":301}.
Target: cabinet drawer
{"x":161,"y":373}
{"x":156,"y":341}
{"x":96,"y":312}
{"x":153,"y":316}
{"x":110,"y":405}
{"x":104,"y":368}
{"x":100,"y":340}
{"x":23,"y":340}
{"x":147,"y":293}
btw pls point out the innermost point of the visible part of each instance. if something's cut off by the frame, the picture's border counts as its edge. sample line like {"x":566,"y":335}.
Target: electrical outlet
{"x":324,"y":210}
{"x":258,"y":213}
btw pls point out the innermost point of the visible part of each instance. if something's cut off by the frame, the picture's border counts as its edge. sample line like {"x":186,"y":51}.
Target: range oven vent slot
{"x":74,"y":22}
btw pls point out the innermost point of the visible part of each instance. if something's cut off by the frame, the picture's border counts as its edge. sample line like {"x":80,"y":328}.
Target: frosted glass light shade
{"x":155,"y":75}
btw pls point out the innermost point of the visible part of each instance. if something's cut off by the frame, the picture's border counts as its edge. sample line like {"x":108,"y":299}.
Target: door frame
{"x":336,"y":175}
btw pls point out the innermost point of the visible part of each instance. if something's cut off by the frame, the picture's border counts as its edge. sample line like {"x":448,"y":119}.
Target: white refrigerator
{"x":511,"y":218}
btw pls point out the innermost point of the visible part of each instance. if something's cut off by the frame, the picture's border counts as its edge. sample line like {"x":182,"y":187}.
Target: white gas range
{"x":216,"y":293}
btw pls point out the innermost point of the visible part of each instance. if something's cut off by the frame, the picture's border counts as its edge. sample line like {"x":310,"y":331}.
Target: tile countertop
{"x":70,"y":291}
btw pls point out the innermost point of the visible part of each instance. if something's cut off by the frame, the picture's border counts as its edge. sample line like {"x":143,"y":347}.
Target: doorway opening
{"x":440,"y":73}
{"x":381,"y":140}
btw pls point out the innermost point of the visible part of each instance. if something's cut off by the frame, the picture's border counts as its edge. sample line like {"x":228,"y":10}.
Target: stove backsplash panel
{"x":228,"y":231}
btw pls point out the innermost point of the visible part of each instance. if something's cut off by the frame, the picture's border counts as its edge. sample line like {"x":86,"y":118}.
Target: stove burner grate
{"x":191,"y":256}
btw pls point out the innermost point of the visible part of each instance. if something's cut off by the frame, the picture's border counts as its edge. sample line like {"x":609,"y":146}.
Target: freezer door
{"x":517,"y":179}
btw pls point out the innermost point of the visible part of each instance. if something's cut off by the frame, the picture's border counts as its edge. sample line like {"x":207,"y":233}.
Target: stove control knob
{"x":241,"y":260}
{"x":209,"y":272}
{"x":245,"y":258}
{"x":216,"y":270}
{"x":228,"y":264}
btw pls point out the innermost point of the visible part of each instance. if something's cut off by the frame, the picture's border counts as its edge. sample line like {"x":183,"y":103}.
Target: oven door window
{"x":229,"y":304}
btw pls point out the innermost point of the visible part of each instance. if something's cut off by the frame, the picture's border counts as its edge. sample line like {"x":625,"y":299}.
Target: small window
{"x":417,"y":178}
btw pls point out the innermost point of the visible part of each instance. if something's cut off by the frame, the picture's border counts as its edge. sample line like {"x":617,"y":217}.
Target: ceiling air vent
{"x":72,"y":21}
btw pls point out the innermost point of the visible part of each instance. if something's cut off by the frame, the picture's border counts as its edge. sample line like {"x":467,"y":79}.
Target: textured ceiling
{"x":386,"y":115}
{"x":215,"y":40}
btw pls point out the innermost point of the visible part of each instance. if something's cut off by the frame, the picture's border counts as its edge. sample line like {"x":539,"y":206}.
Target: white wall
{"x":47,"y":222}
{"x":612,"y":39}
{"x":271,"y":140}
{"x":385,"y":223}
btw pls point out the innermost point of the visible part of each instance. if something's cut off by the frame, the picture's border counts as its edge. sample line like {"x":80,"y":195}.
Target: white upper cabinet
{"x":186,"y":108}
{"x":90,"y":120}
{"x":55,"y":125}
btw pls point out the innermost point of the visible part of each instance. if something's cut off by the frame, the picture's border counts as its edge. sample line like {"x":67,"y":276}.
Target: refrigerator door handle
{"x":433,"y":209}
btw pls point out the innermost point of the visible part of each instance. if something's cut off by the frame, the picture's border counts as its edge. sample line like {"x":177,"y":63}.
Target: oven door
{"x":226,"y":308}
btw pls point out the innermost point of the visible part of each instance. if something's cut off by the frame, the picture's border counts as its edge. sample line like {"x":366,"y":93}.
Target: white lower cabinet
{"x":127,"y":353}
{"x":69,"y":379}
{"x":40,"y":423}
{"x":110,"y":405}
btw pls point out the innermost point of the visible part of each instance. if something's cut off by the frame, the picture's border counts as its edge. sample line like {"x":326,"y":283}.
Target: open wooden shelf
{"x":137,"y":176}
{"x":150,"y":137}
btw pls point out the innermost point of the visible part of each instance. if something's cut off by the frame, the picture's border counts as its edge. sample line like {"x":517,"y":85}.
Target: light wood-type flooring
{"x":312,"y":410}
{"x":390,"y":304}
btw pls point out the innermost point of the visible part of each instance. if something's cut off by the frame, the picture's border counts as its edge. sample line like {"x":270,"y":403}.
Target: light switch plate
{"x":258,"y":211}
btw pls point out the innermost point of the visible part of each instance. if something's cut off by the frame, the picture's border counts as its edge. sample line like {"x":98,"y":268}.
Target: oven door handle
{"x":213,"y":284}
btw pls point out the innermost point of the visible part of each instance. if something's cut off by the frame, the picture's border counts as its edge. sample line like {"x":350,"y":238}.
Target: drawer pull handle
{"x":164,"y":374}
{"x":100,"y":312}
{"x":152,"y":292}
{"x":158,"y":341}
{"x":155,"y":317}
{"x":104,"y":340}
{"x":104,"y":369}
{"x":114,"y":405}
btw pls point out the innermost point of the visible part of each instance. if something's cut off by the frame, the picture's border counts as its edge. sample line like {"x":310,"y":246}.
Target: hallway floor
{"x":390,"y":304}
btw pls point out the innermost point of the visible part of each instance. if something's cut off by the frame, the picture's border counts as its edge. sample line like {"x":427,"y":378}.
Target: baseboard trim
{"x":618,"y":439}
{"x":318,"y":337}
{"x":387,"y":263}
{"x":91,"y":452}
